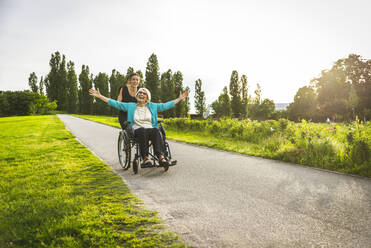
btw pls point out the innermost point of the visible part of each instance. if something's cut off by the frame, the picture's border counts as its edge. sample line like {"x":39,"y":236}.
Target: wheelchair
{"x":126,"y":143}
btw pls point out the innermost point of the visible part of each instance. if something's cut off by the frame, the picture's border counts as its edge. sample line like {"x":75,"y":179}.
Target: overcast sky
{"x":279,"y":44}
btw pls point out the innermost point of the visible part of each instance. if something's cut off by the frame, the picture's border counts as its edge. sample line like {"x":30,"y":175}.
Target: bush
{"x":344,"y":147}
{"x":24,"y":103}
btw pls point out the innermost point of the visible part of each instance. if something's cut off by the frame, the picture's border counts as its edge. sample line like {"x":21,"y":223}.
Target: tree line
{"x":70,"y":92}
{"x":341,"y":93}
{"x":236,"y":101}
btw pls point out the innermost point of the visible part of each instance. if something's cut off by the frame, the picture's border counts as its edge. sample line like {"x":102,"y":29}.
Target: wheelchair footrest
{"x":172,"y":163}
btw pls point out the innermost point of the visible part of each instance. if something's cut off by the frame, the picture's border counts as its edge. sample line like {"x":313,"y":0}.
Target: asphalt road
{"x":213,"y":198}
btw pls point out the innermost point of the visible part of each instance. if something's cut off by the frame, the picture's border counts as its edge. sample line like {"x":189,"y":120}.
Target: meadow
{"x":55,"y":193}
{"x":332,"y":146}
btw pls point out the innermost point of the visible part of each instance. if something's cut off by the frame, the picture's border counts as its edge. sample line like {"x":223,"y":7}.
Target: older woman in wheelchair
{"x":142,"y":119}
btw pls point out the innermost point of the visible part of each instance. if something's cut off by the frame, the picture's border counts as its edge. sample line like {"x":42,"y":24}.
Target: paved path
{"x":220,"y":199}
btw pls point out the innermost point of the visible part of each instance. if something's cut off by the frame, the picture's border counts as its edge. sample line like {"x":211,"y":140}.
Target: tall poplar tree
{"x":180,"y":108}
{"x":187,"y":103}
{"x":235,"y":92}
{"x":85,"y":100}
{"x":52,"y":79}
{"x":62,"y":85}
{"x":244,"y":95}
{"x":116,"y":81}
{"x":167,"y":91}
{"x":200,"y":100}
{"x":152,"y":81}
{"x":32,"y":82}
{"x":56,"y":81}
{"x":41,"y":86}
{"x":72,"y":91}
{"x":101,"y":83}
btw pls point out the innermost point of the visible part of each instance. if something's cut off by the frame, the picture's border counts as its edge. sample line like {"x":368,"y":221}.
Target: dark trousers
{"x":143,"y":135}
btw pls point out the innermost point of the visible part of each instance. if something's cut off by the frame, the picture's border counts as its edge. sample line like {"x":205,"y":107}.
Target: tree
{"x":116,"y":81}
{"x":56,"y":81}
{"x":235,"y":91}
{"x":353,"y":101}
{"x":258,"y":94}
{"x":244,"y":95}
{"x":85,"y":100}
{"x":101,"y":83}
{"x":333,"y":91}
{"x":41,"y":86}
{"x":167,"y":92}
{"x":140,"y":73}
{"x":358,"y":75}
{"x":304,"y":105}
{"x":200,"y":101}
{"x":129,"y":71}
{"x":261,"y":109}
{"x":52,"y":79}
{"x":180,"y":108}
{"x":24,"y":103}
{"x":222,"y":106}
{"x":187,"y":103}
{"x":63,"y":86}
{"x":334,"y":87}
{"x":32,"y":82}
{"x":152,"y":80}
{"x":72,"y":91}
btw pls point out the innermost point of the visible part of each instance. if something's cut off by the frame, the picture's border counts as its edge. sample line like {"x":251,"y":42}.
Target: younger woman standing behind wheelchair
{"x":143,"y":119}
{"x":127,"y":94}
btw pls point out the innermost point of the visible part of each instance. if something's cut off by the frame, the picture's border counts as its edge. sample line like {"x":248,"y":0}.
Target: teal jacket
{"x":131,"y":106}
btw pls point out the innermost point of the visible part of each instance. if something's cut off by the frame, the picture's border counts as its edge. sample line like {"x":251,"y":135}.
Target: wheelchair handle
{"x":126,"y":124}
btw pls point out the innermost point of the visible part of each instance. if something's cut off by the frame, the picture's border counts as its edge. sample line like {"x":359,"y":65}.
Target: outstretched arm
{"x":181,"y":97}
{"x":171,"y":104}
{"x":97,"y":94}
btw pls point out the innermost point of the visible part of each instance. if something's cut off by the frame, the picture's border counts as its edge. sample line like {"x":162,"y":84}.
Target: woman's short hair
{"x":146,"y":91}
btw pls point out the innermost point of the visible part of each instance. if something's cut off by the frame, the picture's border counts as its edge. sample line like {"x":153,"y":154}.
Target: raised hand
{"x":183,"y":95}
{"x":94,"y":92}
{"x":97,"y":94}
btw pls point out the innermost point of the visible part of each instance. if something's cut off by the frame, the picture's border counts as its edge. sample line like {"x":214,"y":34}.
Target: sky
{"x":281,"y":45}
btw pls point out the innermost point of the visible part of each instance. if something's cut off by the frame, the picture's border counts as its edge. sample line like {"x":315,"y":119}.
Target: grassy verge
{"x":56,"y":193}
{"x":342,"y":148}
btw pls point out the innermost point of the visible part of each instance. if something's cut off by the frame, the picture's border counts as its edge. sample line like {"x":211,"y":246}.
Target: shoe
{"x":147,"y":163}
{"x":164,"y":162}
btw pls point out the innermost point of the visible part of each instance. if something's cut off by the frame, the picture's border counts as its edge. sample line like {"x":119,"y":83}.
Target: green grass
{"x":338,"y":147}
{"x":56,"y":193}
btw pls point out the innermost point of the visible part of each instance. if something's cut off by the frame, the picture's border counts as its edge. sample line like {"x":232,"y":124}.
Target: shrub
{"x":24,"y":103}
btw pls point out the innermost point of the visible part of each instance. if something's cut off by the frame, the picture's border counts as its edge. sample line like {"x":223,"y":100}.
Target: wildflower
{"x":272,"y":129}
{"x":306,"y":131}
{"x":334,"y":127}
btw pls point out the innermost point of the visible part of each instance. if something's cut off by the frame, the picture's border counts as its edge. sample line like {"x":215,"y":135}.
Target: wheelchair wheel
{"x":124,"y":150}
{"x":135,"y":165}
